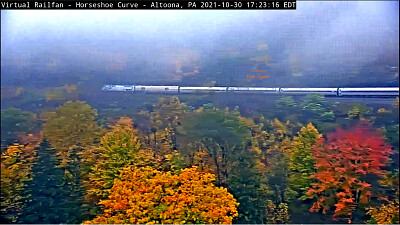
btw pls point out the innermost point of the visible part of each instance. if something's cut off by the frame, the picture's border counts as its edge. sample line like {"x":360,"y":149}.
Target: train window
{"x":143,"y":88}
{"x":166,"y":89}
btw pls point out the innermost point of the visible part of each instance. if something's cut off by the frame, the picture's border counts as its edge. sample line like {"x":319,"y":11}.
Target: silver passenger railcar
{"x":157,"y":89}
{"x":393,"y":91}
{"x":253,"y":90}
{"x":202,"y":89}
{"x":324,"y":91}
{"x":117,"y":87}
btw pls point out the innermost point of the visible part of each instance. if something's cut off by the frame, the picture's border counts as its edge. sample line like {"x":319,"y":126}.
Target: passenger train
{"x":372,"y":91}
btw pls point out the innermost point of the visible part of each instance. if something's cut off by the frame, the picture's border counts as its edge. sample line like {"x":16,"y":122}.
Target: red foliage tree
{"x":342,"y":162}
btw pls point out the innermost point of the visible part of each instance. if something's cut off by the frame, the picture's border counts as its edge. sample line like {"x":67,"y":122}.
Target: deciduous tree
{"x":118,"y":148}
{"x":145,"y":195}
{"x":301,"y":159}
{"x":277,"y":214}
{"x":387,"y":213}
{"x":15,"y":121}
{"x":342,"y":162}
{"x":72,"y":125}
{"x":16,"y":170}
{"x":216,"y":131}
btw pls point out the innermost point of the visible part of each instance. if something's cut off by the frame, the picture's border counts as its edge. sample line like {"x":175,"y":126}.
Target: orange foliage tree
{"x":145,"y":195}
{"x":343,"y":163}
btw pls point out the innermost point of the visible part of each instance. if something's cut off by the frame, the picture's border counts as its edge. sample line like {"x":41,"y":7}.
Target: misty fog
{"x":321,"y":44}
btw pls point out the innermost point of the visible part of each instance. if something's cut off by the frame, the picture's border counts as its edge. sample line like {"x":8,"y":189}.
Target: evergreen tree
{"x":50,"y":201}
{"x":71,"y":129}
{"x":245,"y":182}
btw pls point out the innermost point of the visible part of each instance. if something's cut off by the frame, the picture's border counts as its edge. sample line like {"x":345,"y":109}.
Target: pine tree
{"x":50,"y":199}
{"x":245,"y":181}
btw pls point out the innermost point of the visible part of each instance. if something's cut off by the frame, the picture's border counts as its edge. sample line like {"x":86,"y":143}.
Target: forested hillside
{"x":311,"y":161}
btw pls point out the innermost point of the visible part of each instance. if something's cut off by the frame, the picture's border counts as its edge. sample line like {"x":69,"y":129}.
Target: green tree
{"x":72,"y":130}
{"x":245,"y":182}
{"x":276,"y":146}
{"x":285,"y":103}
{"x":218,"y":132}
{"x":314,"y":103}
{"x":301,"y":159}
{"x":15,"y":121}
{"x":72,"y":125}
{"x":50,"y":198}
{"x":225,"y":139}
{"x":317,"y":105}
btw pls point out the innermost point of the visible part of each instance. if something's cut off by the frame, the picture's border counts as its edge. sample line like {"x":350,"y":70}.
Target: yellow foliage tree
{"x":203,"y":160}
{"x":145,"y":195}
{"x":63,"y":93}
{"x":277,"y":213}
{"x":385,"y":214}
{"x":281,"y":129}
{"x":118,"y":148}
{"x":71,"y":126}
{"x":16,"y":169}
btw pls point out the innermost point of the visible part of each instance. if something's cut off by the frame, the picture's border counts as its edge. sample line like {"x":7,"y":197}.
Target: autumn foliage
{"x":16,"y":169}
{"x":301,"y":158}
{"x":387,"y":213}
{"x":342,"y":162}
{"x":145,"y":195}
{"x":277,"y":214}
{"x":71,"y":126}
{"x":118,"y":148}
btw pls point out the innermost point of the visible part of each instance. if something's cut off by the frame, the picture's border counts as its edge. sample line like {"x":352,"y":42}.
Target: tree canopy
{"x":145,"y":195}
{"x":69,"y":126}
{"x":342,"y":164}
